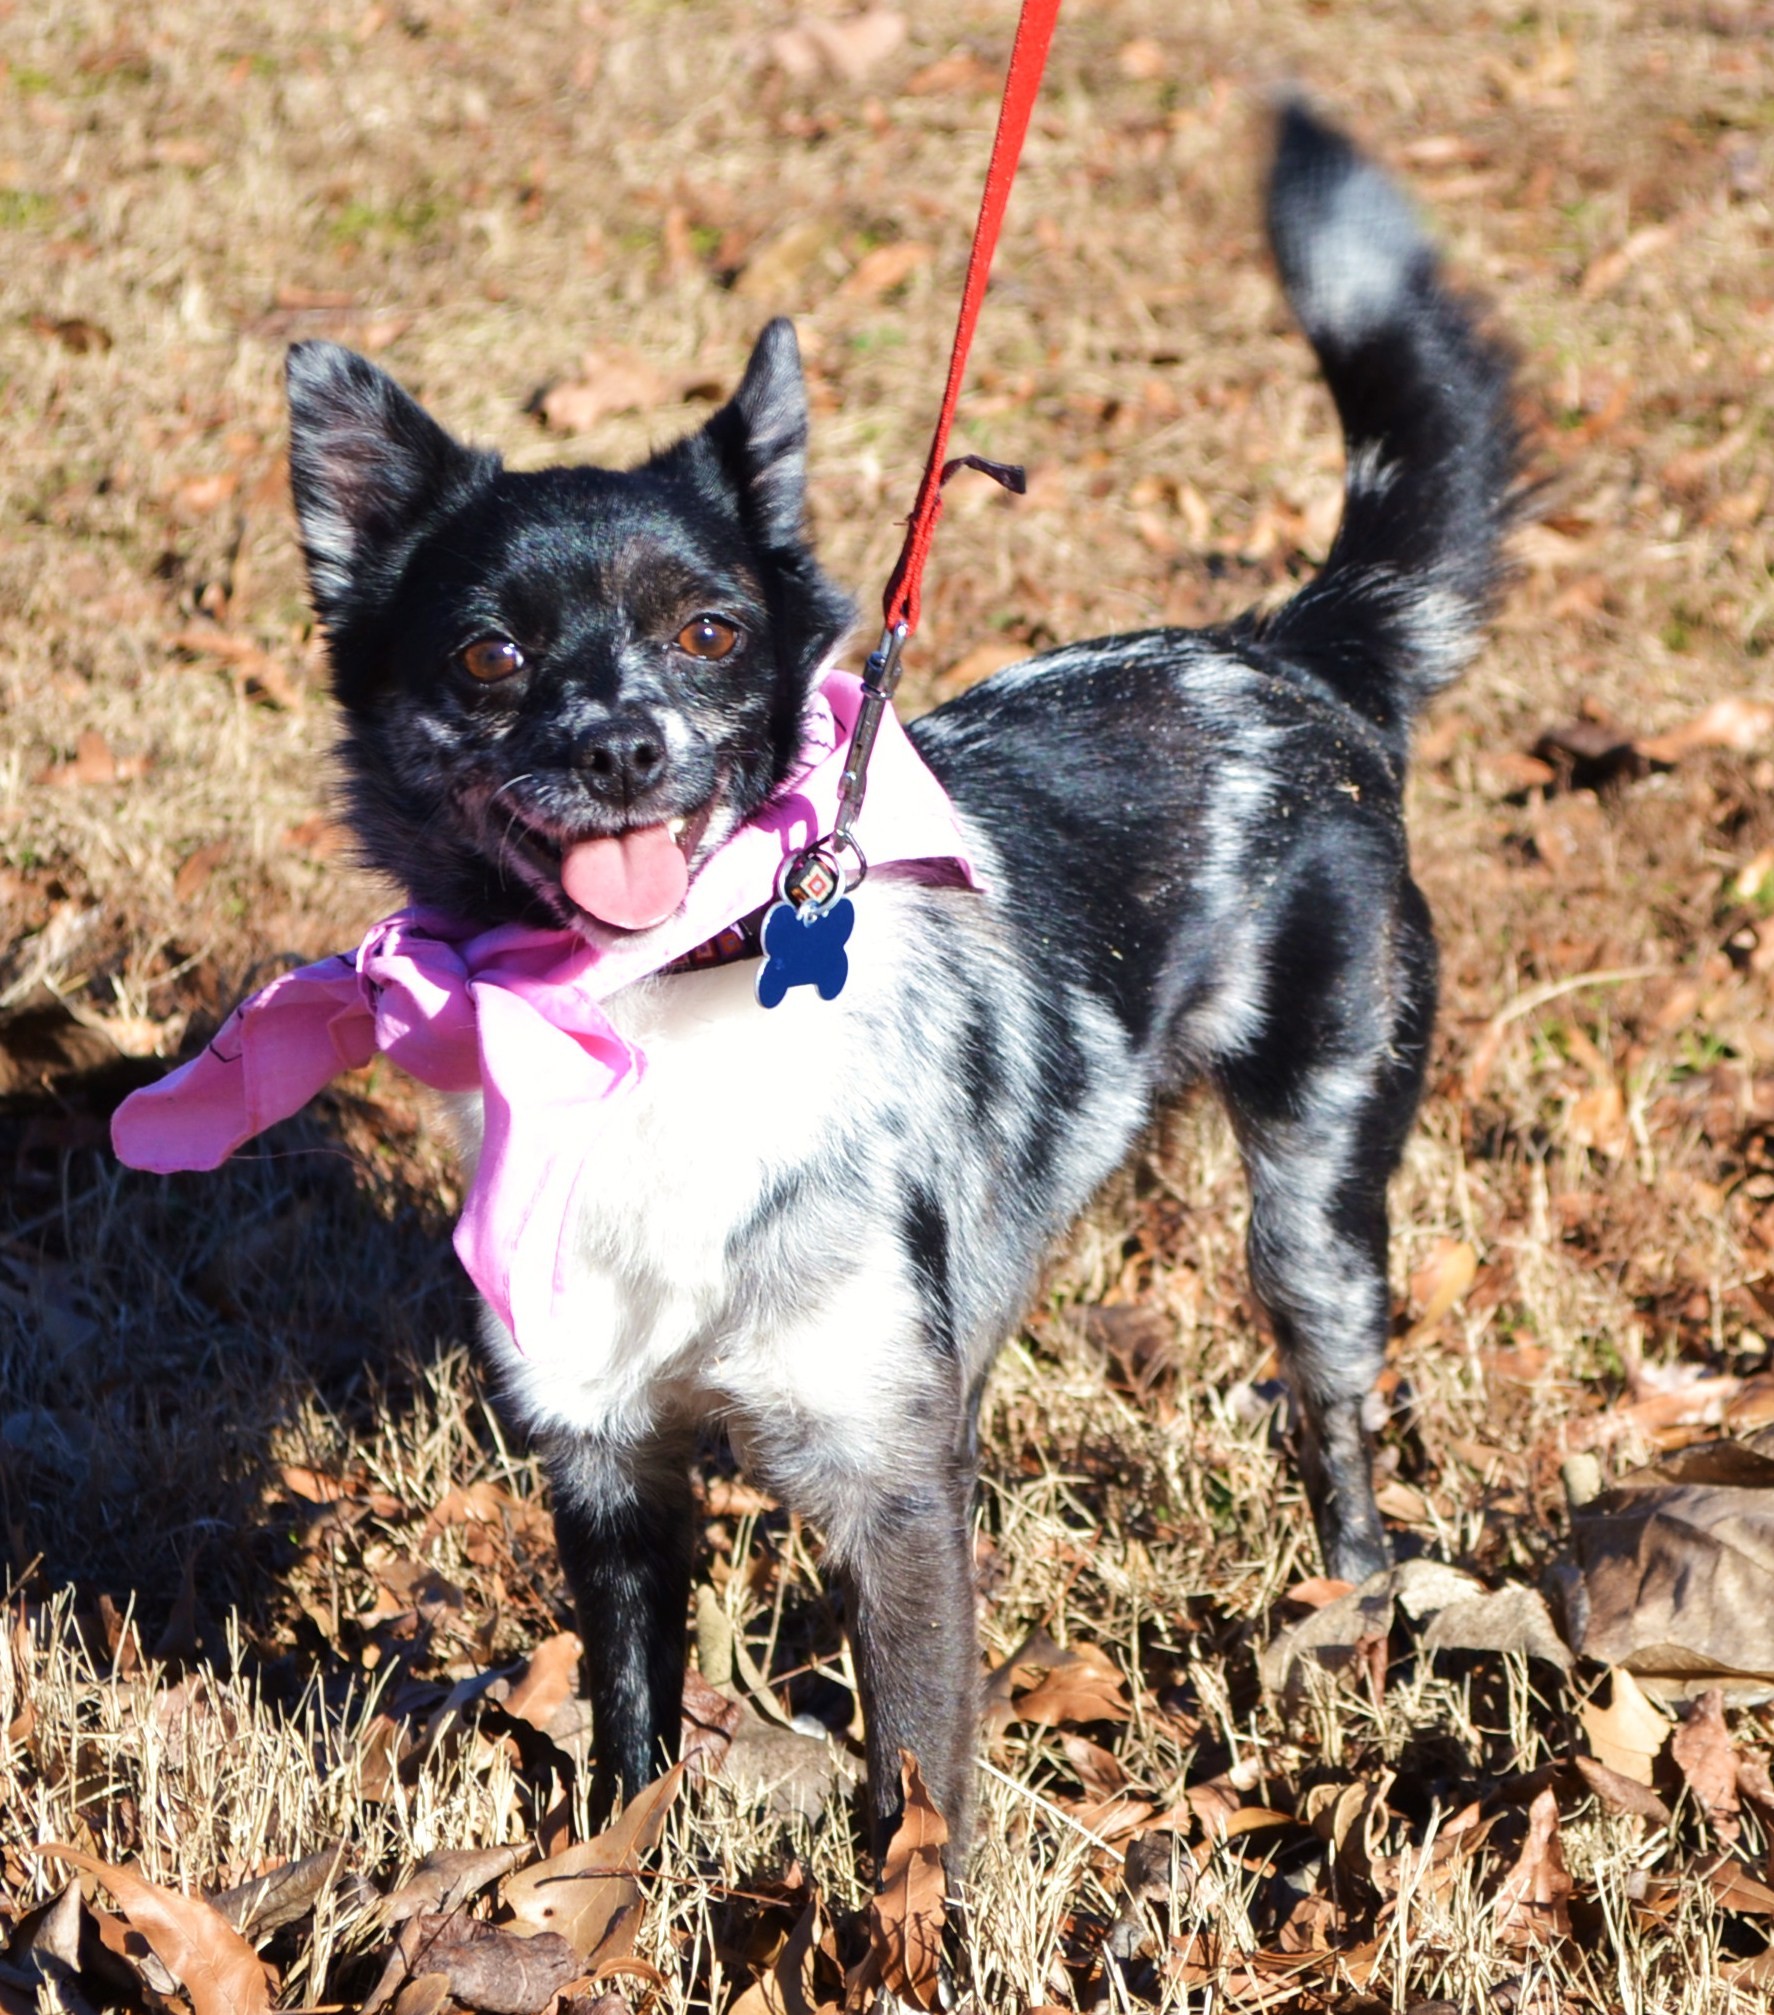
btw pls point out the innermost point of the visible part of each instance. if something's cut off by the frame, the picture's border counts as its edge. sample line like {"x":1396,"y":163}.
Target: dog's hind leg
{"x":1321,"y":1103}
{"x":623,"y":1520}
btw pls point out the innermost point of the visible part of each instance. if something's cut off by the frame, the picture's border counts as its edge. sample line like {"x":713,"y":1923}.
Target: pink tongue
{"x":634,"y":880}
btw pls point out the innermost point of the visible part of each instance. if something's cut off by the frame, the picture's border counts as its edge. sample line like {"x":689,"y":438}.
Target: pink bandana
{"x":517,"y":1013}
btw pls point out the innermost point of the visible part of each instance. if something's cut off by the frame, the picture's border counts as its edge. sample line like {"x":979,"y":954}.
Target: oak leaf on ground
{"x":1085,"y":1685}
{"x":1677,"y":1570}
{"x":217,"y":1968}
{"x":449,"y":1877}
{"x":909,"y":1910}
{"x":549,"y":1678}
{"x":584,"y":1892}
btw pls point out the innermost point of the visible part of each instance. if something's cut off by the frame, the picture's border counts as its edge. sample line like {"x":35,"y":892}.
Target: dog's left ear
{"x":760,"y":436}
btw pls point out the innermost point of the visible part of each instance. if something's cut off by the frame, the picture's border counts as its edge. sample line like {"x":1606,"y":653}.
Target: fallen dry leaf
{"x":93,"y":763}
{"x":1606,"y":272}
{"x":582,"y":1891}
{"x":549,"y":1678}
{"x":1402,"y":1501}
{"x":791,"y":1772}
{"x":1318,"y":1589}
{"x":196,"y":868}
{"x":1568,"y":833}
{"x":886,"y":267}
{"x":1328,"y":1636}
{"x":1628,"y":1734}
{"x":1737,"y":722}
{"x":1596,"y":1119}
{"x":1351,"y":1819}
{"x":1533,"y":1898}
{"x":963,"y":74}
{"x":791,"y":1985}
{"x":1513,"y":1618}
{"x":609,"y":382}
{"x":1036,"y":1654}
{"x":197,"y":496}
{"x":1707,"y":1758}
{"x":125,"y":1942}
{"x":909,"y":1909}
{"x":1438,"y":1285}
{"x":314,"y":1486}
{"x":75,"y":333}
{"x":320,"y":837}
{"x":1098,"y":1769}
{"x":1753,"y":1780}
{"x":774,"y":273}
{"x":1756,"y":874}
{"x":44,"y":1945}
{"x":1677,"y":1568}
{"x":1117,"y":1816}
{"x":1216,"y":1801}
{"x":449,"y":1877}
{"x":423,"y":1994}
{"x":1509,"y":773}
{"x":487,"y":1509}
{"x":846,"y":46}
{"x":1667,"y":1401}
{"x":710,"y":1720}
{"x":286,"y":1894}
{"x":1623,"y":1794}
{"x":1249,"y":1981}
{"x":1141,"y":59}
{"x":257,"y":673}
{"x":216,"y":1967}
{"x":1736,"y":1889}
{"x":1087,"y":1686}
{"x":499,"y":1971}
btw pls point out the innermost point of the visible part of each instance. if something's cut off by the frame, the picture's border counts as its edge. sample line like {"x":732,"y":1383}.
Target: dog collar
{"x":741,"y":940}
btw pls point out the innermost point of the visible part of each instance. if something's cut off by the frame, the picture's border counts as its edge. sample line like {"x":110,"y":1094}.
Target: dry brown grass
{"x":490,"y":190}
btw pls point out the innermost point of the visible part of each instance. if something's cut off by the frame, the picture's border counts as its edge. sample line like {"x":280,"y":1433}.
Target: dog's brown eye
{"x":708,"y":637}
{"x":491,"y":658}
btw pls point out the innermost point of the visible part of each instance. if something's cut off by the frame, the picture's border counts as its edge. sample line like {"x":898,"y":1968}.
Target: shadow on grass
{"x":166,"y":1342}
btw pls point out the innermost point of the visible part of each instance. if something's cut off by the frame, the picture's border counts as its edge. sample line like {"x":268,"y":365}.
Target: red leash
{"x":1022,"y":85}
{"x":815,"y":878}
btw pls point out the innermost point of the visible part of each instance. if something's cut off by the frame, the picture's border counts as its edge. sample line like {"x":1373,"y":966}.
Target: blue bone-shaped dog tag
{"x":805,"y":948}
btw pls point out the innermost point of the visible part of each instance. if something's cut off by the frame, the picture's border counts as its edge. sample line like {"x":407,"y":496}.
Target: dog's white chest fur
{"x":667,"y":1290}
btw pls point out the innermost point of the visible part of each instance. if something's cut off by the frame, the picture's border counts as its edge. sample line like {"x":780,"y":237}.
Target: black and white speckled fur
{"x":817,"y":1225}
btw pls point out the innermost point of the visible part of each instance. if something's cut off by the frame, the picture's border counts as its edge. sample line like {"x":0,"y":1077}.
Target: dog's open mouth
{"x":632,"y":880}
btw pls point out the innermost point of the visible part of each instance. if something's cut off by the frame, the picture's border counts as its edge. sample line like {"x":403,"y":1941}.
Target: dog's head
{"x":561,"y":690}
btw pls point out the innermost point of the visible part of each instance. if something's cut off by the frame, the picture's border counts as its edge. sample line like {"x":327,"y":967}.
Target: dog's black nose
{"x":624,"y":757}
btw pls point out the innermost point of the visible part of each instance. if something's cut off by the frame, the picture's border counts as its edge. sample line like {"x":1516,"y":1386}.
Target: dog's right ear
{"x":367,"y":465}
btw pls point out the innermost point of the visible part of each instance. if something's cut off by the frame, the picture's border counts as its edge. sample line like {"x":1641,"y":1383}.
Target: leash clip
{"x":813,"y":880}
{"x":880,"y":676}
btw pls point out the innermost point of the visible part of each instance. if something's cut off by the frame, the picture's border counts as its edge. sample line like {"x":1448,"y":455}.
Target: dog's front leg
{"x":906,"y":1568}
{"x":623,"y":1522}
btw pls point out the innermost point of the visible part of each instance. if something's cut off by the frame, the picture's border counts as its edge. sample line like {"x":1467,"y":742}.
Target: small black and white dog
{"x":817,"y":1225}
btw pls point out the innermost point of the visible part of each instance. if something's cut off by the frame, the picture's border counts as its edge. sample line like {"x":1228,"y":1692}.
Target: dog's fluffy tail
{"x":1434,"y":452}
